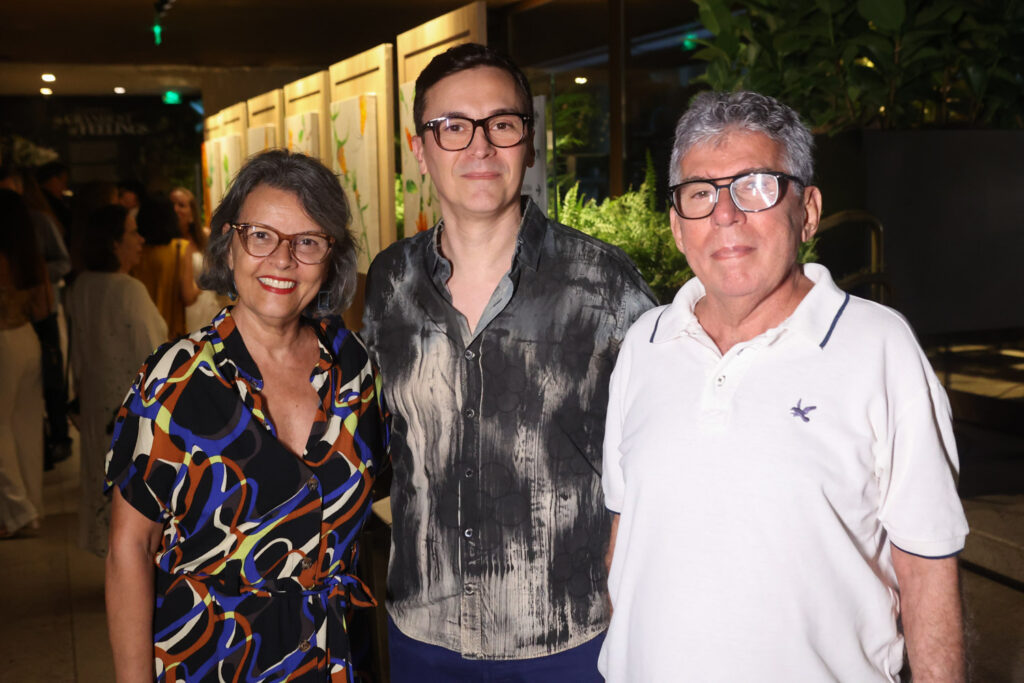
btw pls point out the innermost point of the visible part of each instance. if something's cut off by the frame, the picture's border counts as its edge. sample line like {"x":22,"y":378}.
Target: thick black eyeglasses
{"x":750,"y":192}
{"x":454,"y":133}
{"x":258,"y":240}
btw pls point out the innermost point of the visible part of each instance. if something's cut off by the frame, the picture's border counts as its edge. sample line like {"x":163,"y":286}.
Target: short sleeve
{"x":144,"y":462}
{"x":920,"y":508}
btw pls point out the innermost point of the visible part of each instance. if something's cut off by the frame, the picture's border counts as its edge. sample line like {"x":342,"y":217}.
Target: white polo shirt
{"x":758,"y":492}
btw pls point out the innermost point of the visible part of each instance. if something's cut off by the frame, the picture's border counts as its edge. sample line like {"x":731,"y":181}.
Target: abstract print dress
{"x":254,"y":569}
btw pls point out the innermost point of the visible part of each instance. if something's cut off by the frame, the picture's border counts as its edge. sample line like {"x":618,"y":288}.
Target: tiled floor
{"x":53,"y":625}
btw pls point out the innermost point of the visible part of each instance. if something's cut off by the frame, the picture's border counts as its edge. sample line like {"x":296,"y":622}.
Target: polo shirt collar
{"x":814,"y":319}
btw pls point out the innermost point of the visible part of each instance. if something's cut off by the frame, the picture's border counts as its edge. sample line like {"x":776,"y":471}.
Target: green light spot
{"x":689,"y":41}
{"x":171,"y":97}
{"x":157,"y":34}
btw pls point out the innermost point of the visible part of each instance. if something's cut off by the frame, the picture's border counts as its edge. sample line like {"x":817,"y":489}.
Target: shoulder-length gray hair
{"x":323,"y":200}
{"x":712,"y":114}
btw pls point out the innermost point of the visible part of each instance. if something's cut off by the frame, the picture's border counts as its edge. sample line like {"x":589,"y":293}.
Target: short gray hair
{"x":713,"y":114}
{"x":323,"y":200}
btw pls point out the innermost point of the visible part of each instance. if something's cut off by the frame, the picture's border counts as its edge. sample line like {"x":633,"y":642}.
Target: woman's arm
{"x":134,"y":540}
{"x":189,"y":290}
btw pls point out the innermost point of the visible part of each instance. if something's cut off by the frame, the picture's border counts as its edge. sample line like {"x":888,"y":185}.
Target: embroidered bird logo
{"x":797,"y":411}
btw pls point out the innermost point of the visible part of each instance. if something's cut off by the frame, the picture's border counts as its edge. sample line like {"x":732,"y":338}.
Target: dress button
{"x":304,"y":646}
{"x":468,"y":533}
{"x":311,"y":484}
{"x":470,"y":355}
{"x":469,"y":412}
{"x":469,"y":473}
{"x":307,"y":562}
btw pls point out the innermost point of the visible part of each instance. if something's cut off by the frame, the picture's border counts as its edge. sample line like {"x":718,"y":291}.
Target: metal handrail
{"x":875,"y":275}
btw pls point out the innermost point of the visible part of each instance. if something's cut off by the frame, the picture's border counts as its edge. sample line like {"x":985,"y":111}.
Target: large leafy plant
{"x":846,"y":64}
{"x":634,"y":222}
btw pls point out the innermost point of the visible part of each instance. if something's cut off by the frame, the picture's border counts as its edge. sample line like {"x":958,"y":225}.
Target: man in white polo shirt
{"x":779,"y":454}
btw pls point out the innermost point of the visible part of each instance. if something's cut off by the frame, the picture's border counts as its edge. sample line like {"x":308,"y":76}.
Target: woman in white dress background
{"x":200,"y":312}
{"x":114,"y":326}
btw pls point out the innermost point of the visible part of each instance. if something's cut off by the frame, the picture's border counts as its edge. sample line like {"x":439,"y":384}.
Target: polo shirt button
{"x":720,"y":380}
{"x":307,"y":562}
{"x":304,"y":646}
{"x":470,"y":355}
{"x":311,"y":484}
{"x":468,"y":533}
{"x":469,"y":412}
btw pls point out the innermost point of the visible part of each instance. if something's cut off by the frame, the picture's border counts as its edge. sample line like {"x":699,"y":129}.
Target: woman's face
{"x":183,"y":207}
{"x":129,"y":248}
{"x":274,"y":289}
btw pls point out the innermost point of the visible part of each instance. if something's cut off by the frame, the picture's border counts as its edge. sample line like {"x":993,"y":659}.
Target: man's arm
{"x":611,"y":542}
{"x":932,"y":616}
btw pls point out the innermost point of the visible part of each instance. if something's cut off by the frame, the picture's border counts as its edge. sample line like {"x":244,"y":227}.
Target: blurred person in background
{"x":53,"y":179}
{"x":24,"y":299}
{"x":244,"y":454}
{"x":115,"y":325}
{"x":166,"y":265}
{"x":206,"y":305}
{"x":131,"y":194}
{"x":88,"y":197}
{"x":52,"y":330}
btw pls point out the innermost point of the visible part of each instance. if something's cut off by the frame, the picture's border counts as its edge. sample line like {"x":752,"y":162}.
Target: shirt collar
{"x":230,"y":350}
{"x":533,"y":228}
{"x":814,"y":318}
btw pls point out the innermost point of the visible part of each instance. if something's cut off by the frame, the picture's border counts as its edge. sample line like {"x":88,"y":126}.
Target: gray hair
{"x":713,"y":114}
{"x":323,"y":200}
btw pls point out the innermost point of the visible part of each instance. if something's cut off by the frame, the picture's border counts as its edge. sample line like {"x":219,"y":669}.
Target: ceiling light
{"x":49,"y":78}
{"x":580,"y":80}
{"x":119,"y":90}
{"x":46,"y":91}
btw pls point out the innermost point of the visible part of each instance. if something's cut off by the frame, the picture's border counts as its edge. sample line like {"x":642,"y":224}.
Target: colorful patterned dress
{"x":254,"y":569}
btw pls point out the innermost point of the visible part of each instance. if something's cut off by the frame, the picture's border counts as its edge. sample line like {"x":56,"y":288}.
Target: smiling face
{"x":481,"y":181}
{"x":183,"y":208}
{"x":274,"y":289}
{"x":740,"y":255}
{"x":128,"y":249}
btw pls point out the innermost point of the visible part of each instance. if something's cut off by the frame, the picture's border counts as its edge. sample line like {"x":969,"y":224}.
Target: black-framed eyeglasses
{"x":750,"y":192}
{"x":259,"y":240}
{"x":454,"y":133}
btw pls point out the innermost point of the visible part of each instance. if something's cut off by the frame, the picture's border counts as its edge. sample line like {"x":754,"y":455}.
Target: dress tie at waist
{"x":349,"y":589}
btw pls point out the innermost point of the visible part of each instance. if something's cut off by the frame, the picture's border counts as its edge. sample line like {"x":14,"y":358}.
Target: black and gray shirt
{"x":500,"y":526}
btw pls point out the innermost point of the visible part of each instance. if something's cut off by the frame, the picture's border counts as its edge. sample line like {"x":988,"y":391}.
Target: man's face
{"x":482,"y":180}
{"x":735,"y":254}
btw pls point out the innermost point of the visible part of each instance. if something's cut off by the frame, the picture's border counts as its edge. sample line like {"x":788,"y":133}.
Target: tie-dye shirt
{"x":500,"y":527}
{"x":254,"y":569}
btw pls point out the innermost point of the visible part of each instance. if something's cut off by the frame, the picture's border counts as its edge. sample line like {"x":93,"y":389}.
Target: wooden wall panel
{"x":306,"y":96}
{"x":367,"y":73}
{"x":417,"y":46}
{"x":262,"y":111}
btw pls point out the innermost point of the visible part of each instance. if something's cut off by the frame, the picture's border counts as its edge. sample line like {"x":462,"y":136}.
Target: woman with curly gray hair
{"x":244,"y":454}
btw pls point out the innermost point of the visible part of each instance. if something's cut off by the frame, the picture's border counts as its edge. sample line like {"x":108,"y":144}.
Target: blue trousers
{"x":419,"y":662}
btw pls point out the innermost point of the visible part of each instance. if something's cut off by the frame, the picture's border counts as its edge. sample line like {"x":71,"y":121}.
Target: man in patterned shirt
{"x":496,"y":332}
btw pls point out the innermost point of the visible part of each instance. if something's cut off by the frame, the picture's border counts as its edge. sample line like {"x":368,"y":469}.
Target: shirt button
{"x":468,"y":533}
{"x":468,"y":589}
{"x":469,"y":412}
{"x":307,"y":562}
{"x":470,"y":473}
{"x":311,"y":484}
{"x":470,"y":355}
{"x":720,"y":380}
{"x":304,"y":646}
